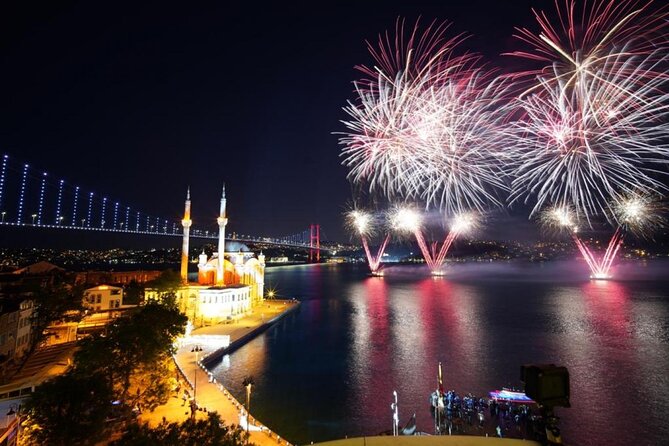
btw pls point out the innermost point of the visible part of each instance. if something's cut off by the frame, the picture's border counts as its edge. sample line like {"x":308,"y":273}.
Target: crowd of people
{"x":470,"y":414}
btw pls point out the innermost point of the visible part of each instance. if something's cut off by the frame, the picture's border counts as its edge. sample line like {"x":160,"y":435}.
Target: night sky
{"x":139,"y":100}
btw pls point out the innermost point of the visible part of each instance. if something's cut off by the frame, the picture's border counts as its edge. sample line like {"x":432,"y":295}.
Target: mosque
{"x":229,"y":283}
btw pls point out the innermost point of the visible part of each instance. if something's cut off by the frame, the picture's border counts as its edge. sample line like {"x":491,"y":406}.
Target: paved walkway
{"x":211,"y":395}
{"x":433,"y":440}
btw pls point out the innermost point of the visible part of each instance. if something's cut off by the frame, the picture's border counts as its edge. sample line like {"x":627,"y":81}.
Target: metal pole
{"x":248,"y":383}
{"x":396,"y":417}
{"x":248,"y":406}
{"x":197,"y":349}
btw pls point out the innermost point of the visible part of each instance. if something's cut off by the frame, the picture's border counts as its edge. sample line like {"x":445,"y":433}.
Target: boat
{"x":410,"y":427}
{"x":510,"y":396}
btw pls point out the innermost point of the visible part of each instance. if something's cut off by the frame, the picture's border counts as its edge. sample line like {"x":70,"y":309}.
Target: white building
{"x":104,"y":298}
{"x":228,"y":286}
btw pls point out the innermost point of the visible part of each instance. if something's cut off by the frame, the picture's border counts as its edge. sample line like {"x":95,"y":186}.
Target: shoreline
{"x":208,"y":359}
{"x":217,"y":341}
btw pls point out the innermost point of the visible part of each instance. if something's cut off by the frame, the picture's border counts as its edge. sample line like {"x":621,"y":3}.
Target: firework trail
{"x":363,"y":223}
{"x":593,"y":126}
{"x":405,"y":219}
{"x":413,"y":55}
{"x":588,"y":148}
{"x":425,"y":124}
{"x":577,"y":41}
{"x":636,"y":213}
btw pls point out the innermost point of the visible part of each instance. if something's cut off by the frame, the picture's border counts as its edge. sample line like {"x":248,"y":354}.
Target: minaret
{"x":222,"y":221}
{"x":186,"y":223}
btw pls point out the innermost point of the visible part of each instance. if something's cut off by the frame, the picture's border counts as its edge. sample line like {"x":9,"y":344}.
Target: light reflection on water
{"x":329,"y":370}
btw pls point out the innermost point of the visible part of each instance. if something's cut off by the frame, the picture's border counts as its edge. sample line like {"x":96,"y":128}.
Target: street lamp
{"x":197,"y":349}
{"x":14,"y":409}
{"x":396,"y":416}
{"x":83,"y":220}
{"x":60,"y":220}
{"x":248,"y":383}
{"x":34,"y":216}
{"x":3,"y":216}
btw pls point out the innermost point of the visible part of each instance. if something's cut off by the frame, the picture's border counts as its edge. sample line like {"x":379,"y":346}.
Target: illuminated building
{"x":229,"y":283}
{"x":15,"y":327}
{"x":104,"y":298}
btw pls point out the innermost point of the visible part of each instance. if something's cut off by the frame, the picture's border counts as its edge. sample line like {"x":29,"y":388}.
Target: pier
{"x":217,"y":341}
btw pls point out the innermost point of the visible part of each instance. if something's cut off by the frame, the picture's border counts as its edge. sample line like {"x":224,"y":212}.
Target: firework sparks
{"x":427,"y":128}
{"x":588,"y":151}
{"x":405,"y":219}
{"x":465,"y":223}
{"x":559,"y":218}
{"x":583,"y":39}
{"x":434,"y":253}
{"x":600,"y":268}
{"x":639,"y":213}
{"x":363,"y":223}
{"x":594,"y":127}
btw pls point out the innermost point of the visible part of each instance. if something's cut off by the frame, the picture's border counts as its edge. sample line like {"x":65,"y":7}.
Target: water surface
{"x":329,"y":369}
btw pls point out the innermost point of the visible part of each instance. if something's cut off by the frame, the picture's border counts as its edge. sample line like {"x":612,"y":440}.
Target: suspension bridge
{"x":32,"y":198}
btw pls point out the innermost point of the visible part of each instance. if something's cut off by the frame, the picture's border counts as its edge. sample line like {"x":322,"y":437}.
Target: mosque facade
{"x":229,"y":283}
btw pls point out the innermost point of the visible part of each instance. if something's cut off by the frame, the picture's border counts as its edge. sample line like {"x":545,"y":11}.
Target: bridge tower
{"x":314,"y":243}
{"x":222,"y":221}
{"x":186,"y":223}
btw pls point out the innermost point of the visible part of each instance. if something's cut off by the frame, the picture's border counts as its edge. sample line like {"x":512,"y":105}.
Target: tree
{"x":133,"y":293}
{"x":208,"y":432}
{"x":167,"y":282}
{"x":130,"y":363}
{"x":133,"y":343}
{"x":68,"y":409}
{"x":59,"y":302}
{"x":151,"y":384}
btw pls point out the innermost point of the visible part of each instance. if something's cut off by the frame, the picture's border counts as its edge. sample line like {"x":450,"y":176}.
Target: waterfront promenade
{"x":433,"y":440}
{"x":210,"y":394}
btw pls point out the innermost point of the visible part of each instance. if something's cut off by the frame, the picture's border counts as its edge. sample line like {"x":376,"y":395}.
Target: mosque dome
{"x":233,"y":246}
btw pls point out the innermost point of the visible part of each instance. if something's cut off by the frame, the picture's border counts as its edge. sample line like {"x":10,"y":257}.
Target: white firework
{"x":588,"y":144}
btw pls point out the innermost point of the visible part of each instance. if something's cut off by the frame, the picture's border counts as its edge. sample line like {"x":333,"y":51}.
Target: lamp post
{"x":197,"y":349}
{"x":34,"y":216}
{"x":14,"y":409}
{"x":3,"y":216}
{"x":60,"y":220}
{"x":396,"y":416}
{"x":248,"y":383}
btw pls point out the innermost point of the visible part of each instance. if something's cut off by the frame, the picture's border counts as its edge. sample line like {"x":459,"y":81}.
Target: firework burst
{"x":364,"y":223}
{"x":582,"y":39}
{"x":595,"y":126}
{"x":558,"y":219}
{"x":361,"y":222}
{"x":408,"y":220}
{"x":405,"y":219}
{"x":426,"y":126}
{"x":465,"y":223}
{"x":640,"y":214}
